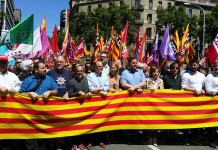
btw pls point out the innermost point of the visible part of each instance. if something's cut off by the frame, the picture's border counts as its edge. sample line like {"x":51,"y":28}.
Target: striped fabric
{"x":22,"y":118}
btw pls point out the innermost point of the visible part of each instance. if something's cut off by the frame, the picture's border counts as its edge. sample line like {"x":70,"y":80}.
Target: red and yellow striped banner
{"x":22,"y":118}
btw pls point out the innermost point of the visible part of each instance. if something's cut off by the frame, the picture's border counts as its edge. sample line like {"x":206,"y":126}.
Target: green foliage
{"x":85,"y":24}
{"x":61,"y":35}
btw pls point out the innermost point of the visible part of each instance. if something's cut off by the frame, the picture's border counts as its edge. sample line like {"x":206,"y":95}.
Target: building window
{"x":160,"y":4}
{"x":137,"y":3}
{"x":169,"y":4}
{"x":121,"y":2}
{"x":148,"y":32}
{"x":201,"y":13}
{"x":190,"y":13}
{"x":99,"y":6}
{"x":150,"y":5}
{"x":149,"y":18}
{"x":89,"y":8}
{"x":77,"y":10}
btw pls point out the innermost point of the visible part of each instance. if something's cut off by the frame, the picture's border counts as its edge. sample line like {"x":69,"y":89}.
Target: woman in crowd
{"x":153,"y":83}
{"x":114,"y":79}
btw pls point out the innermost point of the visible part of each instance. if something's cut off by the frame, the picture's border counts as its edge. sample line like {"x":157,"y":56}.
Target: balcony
{"x":139,"y":7}
{"x":139,"y":22}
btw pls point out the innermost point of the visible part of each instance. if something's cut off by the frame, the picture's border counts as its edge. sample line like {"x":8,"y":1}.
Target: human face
{"x":41,"y":71}
{"x":60,"y":63}
{"x":3,"y":66}
{"x":30,"y":68}
{"x":99,"y":67}
{"x":194,"y":67}
{"x":113,"y":69}
{"x":174,"y":70}
{"x":79,"y":72}
{"x":104,"y":58}
{"x":155,"y":74}
{"x":133,"y":64}
{"x":215,"y":68}
{"x":18,"y":62}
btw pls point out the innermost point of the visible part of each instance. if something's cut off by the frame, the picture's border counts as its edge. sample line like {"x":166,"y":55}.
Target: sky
{"x":42,"y":8}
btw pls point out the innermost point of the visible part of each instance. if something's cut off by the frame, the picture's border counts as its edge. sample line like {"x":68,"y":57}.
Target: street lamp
{"x":191,"y":4}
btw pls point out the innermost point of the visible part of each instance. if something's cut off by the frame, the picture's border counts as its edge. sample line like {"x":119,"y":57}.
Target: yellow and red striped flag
{"x":22,"y":118}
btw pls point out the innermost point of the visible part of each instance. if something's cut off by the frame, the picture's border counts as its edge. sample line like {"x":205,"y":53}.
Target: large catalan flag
{"x":22,"y":118}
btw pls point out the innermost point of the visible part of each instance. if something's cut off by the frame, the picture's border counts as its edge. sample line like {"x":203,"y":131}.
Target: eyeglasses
{"x":174,"y":68}
{"x":18,"y":62}
{"x":100,"y":66}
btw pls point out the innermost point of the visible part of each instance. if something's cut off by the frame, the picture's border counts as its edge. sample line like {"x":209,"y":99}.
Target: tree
{"x":85,"y":24}
{"x":177,"y":20}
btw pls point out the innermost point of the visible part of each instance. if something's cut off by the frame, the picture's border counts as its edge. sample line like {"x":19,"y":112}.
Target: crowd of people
{"x":36,"y":79}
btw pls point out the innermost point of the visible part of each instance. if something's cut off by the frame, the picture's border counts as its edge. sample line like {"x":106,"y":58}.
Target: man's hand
{"x":34,"y":95}
{"x":66,"y":97}
{"x":3,"y":90}
{"x":81,"y":93}
{"x":139,"y":91}
{"x":46,"y":94}
{"x":102,"y":93}
{"x":12,"y":91}
{"x":89,"y":95}
{"x":131,"y":90}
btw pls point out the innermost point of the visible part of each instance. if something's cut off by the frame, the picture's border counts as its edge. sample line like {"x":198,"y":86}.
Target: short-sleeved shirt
{"x":61,"y":79}
{"x":132,"y":77}
{"x":211,"y":84}
{"x":98,"y":81}
{"x":30,"y":82}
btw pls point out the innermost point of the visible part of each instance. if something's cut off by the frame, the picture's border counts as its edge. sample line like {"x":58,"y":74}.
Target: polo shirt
{"x":30,"y":82}
{"x":132,"y":77}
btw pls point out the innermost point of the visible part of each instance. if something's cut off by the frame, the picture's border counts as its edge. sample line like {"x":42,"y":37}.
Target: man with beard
{"x":193,"y":80}
{"x":60,"y":75}
{"x":35,"y":85}
{"x":133,"y":79}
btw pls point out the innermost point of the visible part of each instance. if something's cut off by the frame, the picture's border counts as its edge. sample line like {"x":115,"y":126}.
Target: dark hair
{"x":152,"y":69}
{"x":130,"y":59}
{"x":193,"y":61}
{"x":173,"y":64}
{"x":36,"y":65}
{"x":78,"y":66}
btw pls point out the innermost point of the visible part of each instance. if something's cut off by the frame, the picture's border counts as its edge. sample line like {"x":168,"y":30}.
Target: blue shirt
{"x":61,"y":79}
{"x":132,"y":77}
{"x":30,"y":82}
{"x":97,"y":81}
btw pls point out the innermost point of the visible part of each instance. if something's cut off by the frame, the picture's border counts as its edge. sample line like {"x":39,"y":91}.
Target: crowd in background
{"x":36,"y":79}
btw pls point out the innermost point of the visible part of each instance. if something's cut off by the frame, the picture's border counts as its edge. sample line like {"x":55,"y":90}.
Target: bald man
{"x":60,"y":75}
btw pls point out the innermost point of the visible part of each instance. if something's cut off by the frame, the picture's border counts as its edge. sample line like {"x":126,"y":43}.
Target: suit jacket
{"x":150,"y":83}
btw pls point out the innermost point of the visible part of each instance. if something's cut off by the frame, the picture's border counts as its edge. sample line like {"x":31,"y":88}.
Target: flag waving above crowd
{"x":37,"y":44}
{"x":21,"y":33}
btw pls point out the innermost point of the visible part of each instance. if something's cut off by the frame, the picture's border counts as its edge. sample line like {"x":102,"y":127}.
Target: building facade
{"x":7,"y":18}
{"x":64,"y":19}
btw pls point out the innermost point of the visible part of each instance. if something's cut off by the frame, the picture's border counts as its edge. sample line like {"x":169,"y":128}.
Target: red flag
{"x":79,"y":48}
{"x":137,"y":42}
{"x":125,"y":33}
{"x":142,"y":50}
{"x":54,"y":41}
{"x":212,"y":53}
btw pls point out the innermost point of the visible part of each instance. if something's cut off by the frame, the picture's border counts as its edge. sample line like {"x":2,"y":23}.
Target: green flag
{"x":21,"y":33}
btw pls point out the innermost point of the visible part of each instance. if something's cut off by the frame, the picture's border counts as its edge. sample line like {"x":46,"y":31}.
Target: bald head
{"x":60,"y":63}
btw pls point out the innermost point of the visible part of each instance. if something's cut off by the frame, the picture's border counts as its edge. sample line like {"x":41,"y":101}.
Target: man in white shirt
{"x":104,"y":60}
{"x":9,"y":82}
{"x":211,"y":81}
{"x":193,"y":80}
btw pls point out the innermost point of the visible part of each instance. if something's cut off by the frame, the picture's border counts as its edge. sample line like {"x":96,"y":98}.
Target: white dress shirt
{"x":211,"y":84}
{"x":10,"y":81}
{"x":193,"y":80}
